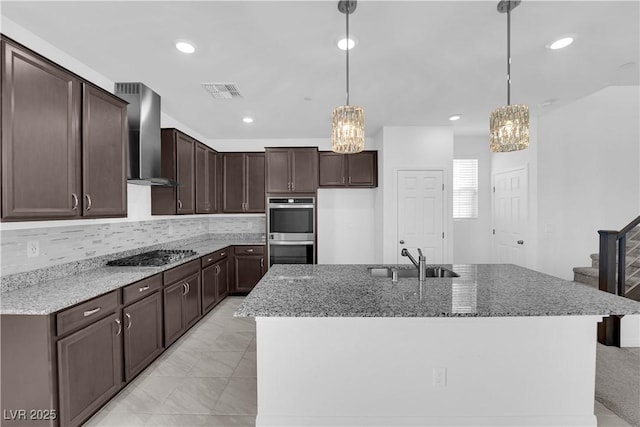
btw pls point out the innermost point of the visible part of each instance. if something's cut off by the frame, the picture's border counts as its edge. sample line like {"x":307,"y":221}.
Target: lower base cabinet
{"x":142,"y":334}
{"x":89,"y":369}
{"x":249,"y":267}
{"x":215,"y":284}
{"x":181,"y":307}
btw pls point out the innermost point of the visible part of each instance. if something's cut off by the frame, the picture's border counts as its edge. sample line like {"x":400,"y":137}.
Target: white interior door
{"x":510,"y":216}
{"x":420,"y":214}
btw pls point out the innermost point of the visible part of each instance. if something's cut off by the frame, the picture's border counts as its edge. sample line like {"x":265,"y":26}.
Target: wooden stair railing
{"x":613,"y":277}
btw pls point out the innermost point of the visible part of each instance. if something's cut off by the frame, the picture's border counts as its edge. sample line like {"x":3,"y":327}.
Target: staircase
{"x":590,"y":275}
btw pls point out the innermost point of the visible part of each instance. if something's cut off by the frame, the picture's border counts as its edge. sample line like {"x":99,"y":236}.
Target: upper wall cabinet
{"x":63,"y":148}
{"x":292,"y":170}
{"x":178,"y":158}
{"x":348,"y":170}
{"x":206,"y":179}
{"x":243,"y":182}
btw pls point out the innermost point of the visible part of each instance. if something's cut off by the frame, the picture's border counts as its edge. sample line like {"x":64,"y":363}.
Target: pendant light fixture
{"x":347,"y":121}
{"x":509,"y":125}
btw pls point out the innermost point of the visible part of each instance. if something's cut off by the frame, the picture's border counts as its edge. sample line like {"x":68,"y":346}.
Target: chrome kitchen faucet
{"x":421,"y":264}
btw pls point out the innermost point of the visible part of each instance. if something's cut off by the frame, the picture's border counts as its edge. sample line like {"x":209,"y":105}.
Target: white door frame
{"x":447,"y":208}
{"x":526,"y":232}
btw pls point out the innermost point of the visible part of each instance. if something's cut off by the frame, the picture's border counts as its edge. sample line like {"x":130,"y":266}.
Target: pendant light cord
{"x":509,"y":53}
{"x":347,"y":13}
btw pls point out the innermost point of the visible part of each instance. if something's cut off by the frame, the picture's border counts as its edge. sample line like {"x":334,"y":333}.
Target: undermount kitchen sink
{"x":411,"y":272}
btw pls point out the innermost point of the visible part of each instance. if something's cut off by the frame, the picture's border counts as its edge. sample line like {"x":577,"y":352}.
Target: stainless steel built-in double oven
{"x":291,"y":230}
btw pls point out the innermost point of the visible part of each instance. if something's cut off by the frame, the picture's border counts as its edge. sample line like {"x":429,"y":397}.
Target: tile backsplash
{"x":64,"y":244}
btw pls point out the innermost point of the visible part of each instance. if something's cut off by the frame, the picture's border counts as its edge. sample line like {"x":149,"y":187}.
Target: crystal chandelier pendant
{"x":509,"y":128}
{"x":347,"y":134}
{"x":509,"y":125}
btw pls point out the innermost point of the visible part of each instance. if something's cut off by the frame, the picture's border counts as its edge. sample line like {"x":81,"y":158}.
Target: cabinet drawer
{"x":214,"y":257}
{"x":141,"y":289}
{"x":86,"y":313}
{"x":178,"y":273}
{"x":249,"y":250}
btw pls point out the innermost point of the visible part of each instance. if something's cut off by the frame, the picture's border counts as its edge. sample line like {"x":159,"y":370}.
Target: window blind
{"x":465,"y":188}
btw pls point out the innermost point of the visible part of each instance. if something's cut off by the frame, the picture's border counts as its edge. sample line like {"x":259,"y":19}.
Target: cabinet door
{"x":202,"y":178}
{"x":40,"y":138}
{"x":89,"y":369}
{"x":278,"y":174}
{"x":304,"y":170}
{"x":191,"y":300}
{"x":223,"y":279}
{"x":254,"y":182}
{"x":173,"y":319}
{"x":233,"y":182}
{"x":185,"y":147}
{"x":363,"y":169}
{"x":249,"y":269}
{"x":209,"y":287}
{"x":104,"y":175}
{"x":332,"y":169}
{"x":212,"y":181}
{"x":142,"y":334}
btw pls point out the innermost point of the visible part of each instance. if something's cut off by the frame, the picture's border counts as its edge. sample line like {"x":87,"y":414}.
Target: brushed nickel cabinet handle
{"x":90,"y":312}
{"x":179,"y":204}
{"x":209,"y":259}
{"x":144,"y":288}
{"x":184,"y":286}
{"x":188,"y":287}
{"x":349,"y":180}
{"x":119,"y":323}
{"x":343,"y":179}
{"x":88,"y":197}
{"x":249,"y":250}
{"x":223,"y":254}
{"x":129,"y":319}
{"x":74,"y":196}
{"x":293,"y":186}
{"x":261,"y":264}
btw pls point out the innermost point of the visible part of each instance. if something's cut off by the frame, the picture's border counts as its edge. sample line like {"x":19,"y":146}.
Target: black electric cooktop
{"x":152,"y":258}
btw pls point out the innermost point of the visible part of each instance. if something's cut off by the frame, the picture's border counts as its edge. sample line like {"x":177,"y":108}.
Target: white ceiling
{"x":416,"y":62}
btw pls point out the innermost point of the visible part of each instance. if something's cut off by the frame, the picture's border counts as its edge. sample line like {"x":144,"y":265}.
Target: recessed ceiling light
{"x":342,"y":43}
{"x":455,"y":117}
{"x":247,"y":119}
{"x":560,"y":43}
{"x":185,"y":46}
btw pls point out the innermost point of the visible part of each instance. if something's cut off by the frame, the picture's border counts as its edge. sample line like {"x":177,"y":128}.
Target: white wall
{"x":472,"y":237}
{"x":503,"y":162}
{"x":419,"y":147}
{"x":589,"y":175}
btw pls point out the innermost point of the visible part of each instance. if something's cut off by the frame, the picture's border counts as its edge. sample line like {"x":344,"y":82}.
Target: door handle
{"x":129,"y":319}
{"x":520,"y":242}
{"x":119,"y":323}
{"x":90,"y":312}
{"x":402,"y":242}
{"x":143,"y":288}
{"x":74,"y":196}
{"x":88,"y":197}
{"x":184,"y":286}
{"x":179,"y":204}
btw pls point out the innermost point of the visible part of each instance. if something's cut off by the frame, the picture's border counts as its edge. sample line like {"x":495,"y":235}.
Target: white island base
{"x":441,"y":371}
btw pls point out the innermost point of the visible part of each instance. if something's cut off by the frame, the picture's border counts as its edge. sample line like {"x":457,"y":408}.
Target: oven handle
{"x":287,"y":206}
{"x":290,"y":242}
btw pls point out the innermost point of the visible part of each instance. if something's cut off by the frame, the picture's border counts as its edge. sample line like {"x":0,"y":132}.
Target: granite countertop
{"x":53,"y":295}
{"x":483,"y":290}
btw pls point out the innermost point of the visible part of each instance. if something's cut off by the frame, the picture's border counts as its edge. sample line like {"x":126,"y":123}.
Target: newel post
{"x":609,"y":329}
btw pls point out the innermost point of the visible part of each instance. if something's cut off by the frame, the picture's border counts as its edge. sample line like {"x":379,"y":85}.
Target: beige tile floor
{"x":208,"y":378}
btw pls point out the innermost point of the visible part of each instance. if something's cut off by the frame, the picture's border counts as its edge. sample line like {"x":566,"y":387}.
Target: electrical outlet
{"x":33,"y":248}
{"x":439,"y":377}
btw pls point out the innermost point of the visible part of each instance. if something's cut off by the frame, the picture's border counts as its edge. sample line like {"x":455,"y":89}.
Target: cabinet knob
{"x":74,"y":196}
{"x":402,"y":242}
{"x":88,"y":197}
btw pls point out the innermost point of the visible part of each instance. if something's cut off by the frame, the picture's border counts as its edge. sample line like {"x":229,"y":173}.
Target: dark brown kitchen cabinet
{"x":243,"y":182}
{"x":104,"y":156}
{"x":142,"y":334}
{"x":41,"y":107}
{"x":291,"y":170}
{"x":63,"y":148}
{"x":182,"y":300}
{"x":89,"y":369}
{"x":348,"y":170}
{"x":206,"y":174}
{"x":249,"y":266}
{"x":215,"y":280}
{"x":178,"y":164}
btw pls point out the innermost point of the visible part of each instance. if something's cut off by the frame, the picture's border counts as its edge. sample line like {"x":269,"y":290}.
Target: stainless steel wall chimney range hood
{"x":143,"y":114}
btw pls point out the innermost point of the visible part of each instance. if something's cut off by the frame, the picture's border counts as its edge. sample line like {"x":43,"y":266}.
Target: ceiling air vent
{"x":223,"y":90}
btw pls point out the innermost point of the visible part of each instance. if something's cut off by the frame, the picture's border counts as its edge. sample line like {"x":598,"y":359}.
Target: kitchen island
{"x":499,"y":345}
